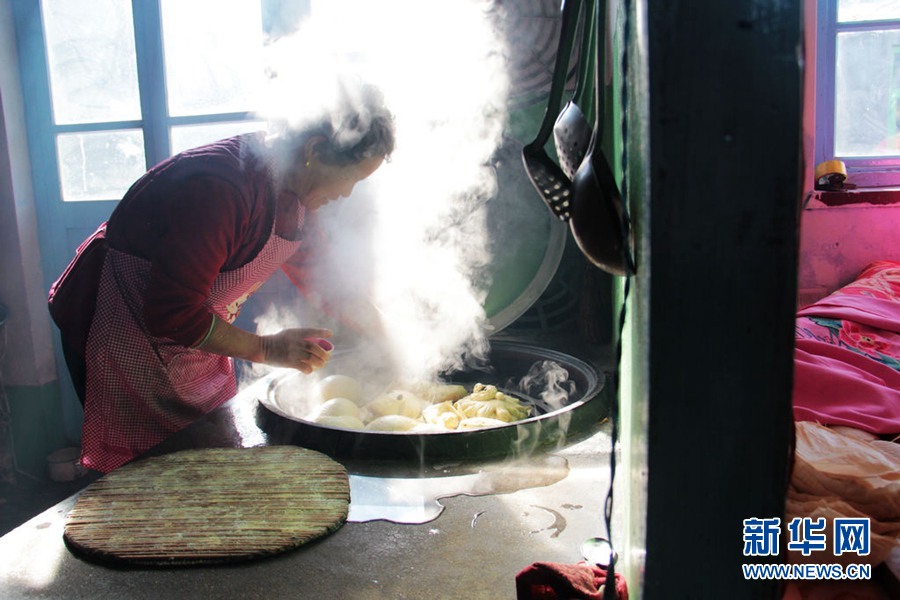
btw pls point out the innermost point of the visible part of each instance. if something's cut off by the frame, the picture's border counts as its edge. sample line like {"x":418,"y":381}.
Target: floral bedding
{"x":847,"y":354}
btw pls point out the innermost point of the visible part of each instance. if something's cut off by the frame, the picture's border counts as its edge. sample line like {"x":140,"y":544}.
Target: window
{"x":129,"y":89}
{"x":858,"y":88}
{"x":112,"y":87}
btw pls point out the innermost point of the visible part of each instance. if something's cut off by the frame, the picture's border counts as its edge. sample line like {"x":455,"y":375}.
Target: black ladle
{"x":549,"y":180}
{"x":598,"y":219}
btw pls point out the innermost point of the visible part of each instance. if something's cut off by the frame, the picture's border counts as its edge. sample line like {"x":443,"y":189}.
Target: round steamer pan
{"x":508,"y":361}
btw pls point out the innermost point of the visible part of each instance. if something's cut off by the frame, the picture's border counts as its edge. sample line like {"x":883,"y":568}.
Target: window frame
{"x":862,"y":171}
{"x":155,"y":121}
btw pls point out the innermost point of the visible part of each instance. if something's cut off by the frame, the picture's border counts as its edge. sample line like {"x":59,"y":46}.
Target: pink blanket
{"x":847,"y":356}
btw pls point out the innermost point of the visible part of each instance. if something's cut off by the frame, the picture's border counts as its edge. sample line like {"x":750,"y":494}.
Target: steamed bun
{"x":428,"y":428}
{"x":338,"y":407}
{"x":395,"y":402}
{"x":340,"y":386}
{"x":342,"y":421}
{"x":392,"y":423}
{"x":435,"y":393}
{"x":480,"y":423}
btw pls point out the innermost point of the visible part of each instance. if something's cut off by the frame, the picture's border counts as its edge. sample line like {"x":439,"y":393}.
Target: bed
{"x":847,"y":423}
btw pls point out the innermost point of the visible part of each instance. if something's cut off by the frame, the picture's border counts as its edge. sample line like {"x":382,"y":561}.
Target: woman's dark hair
{"x":360,"y":127}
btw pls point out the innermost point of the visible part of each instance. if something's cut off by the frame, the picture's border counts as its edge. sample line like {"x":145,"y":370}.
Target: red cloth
{"x":204,"y":211}
{"x":557,"y":581}
{"x":847,"y":354}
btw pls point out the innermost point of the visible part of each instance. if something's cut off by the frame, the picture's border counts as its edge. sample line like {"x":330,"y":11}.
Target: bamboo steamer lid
{"x":209,"y":506}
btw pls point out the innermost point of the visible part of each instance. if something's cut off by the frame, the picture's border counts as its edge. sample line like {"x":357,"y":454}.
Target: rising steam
{"x":411,"y":243}
{"x":550,"y":382}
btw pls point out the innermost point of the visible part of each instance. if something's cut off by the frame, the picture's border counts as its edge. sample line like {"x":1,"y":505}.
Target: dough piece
{"x":443,"y":415}
{"x":487,"y":401}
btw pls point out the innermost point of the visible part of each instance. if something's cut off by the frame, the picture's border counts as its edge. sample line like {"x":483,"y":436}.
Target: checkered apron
{"x":141,"y":388}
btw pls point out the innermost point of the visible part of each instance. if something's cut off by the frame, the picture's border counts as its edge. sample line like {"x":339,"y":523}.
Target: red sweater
{"x":201,"y":212}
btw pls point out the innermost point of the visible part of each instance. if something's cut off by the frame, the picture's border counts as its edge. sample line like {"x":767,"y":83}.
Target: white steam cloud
{"x":411,"y":243}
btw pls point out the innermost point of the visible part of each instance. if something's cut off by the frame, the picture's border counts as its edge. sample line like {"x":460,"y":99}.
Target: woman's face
{"x":318,"y":183}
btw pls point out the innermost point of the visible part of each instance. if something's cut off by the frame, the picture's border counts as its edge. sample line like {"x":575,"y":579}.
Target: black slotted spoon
{"x":549,"y":180}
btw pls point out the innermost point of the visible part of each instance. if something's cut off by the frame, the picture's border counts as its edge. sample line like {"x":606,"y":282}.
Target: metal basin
{"x":549,"y":426}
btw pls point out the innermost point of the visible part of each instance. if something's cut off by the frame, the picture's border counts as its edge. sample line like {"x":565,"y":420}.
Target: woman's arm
{"x":294,"y":348}
{"x":200,"y":227}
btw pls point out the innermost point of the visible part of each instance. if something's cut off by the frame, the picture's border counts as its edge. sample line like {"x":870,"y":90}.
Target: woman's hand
{"x":297,"y":349}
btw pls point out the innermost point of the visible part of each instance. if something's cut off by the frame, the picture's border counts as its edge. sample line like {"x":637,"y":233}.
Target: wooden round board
{"x":209,"y":506}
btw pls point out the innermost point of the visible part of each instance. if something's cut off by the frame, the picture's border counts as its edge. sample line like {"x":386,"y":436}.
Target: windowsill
{"x":880,"y":196}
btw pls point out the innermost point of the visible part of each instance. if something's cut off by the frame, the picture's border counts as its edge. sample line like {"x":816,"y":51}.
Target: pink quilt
{"x":847,"y":354}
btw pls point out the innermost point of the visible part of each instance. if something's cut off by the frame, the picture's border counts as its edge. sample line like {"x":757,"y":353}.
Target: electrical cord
{"x":609,"y":589}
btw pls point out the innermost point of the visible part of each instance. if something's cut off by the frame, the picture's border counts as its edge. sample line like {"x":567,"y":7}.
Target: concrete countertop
{"x":540,"y":508}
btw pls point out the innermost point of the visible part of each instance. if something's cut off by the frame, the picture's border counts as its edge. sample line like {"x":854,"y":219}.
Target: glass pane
{"x":191,"y":136}
{"x":850,"y":11}
{"x":90,"y":51}
{"x":213,"y":55}
{"x":99,"y":165}
{"x":867,"y":94}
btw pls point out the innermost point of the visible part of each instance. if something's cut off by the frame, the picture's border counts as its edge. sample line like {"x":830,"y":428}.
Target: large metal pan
{"x":508,"y":361}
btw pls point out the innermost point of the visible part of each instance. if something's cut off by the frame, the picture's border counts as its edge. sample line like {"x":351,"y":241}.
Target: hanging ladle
{"x":549,"y":180}
{"x":572,"y":131}
{"x":598,"y":219}
{"x":590,"y":203}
